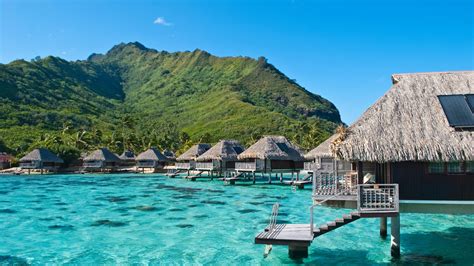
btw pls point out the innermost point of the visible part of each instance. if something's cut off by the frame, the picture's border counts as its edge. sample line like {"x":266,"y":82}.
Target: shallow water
{"x":150,"y":219}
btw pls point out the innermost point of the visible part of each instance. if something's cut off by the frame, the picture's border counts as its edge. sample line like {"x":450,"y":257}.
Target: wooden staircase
{"x":328,"y":227}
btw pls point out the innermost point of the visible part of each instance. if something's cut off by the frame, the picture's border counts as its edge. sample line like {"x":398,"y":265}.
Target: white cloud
{"x":162,"y":21}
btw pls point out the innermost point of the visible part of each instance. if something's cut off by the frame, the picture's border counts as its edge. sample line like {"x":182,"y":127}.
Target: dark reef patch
{"x":12,"y":260}
{"x":175,"y":218}
{"x":146,"y":208}
{"x":7,"y":211}
{"x":61,"y":227}
{"x":108,"y":223}
{"x":184,"y":225}
{"x":214,"y":202}
{"x":247,"y":211}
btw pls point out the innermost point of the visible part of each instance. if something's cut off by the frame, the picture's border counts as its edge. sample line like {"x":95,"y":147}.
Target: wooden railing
{"x":185,"y":165}
{"x":206,"y":165}
{"x":92,"y":164}
{"x":146,"y":164}
{"x":330,"y":184}
{"x":30,"y":165}
{"x":376,"y":198}
{"x":309,"y":166}
{"x":246,"y":166}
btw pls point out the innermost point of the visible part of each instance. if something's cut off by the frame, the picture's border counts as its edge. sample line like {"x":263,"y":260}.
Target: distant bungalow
{"x":41,"y":159}
{"x":5,"y":160}
{"x":169,"y":155}
{"x":271,"y":154}
{"x":220,"y":158}
{"x":101,"y":160}
{"x":187,"y":160}
{"x":151,"y":159}
{"x":420,"y":135}
{"x":127,"y":158}
{"x":331,"y":172}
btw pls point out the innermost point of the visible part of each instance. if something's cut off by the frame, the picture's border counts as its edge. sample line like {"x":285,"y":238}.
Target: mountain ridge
{"x":205,"y":96}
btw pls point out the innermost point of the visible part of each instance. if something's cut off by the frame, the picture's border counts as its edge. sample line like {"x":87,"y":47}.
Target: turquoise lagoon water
{"x":151,"y":219}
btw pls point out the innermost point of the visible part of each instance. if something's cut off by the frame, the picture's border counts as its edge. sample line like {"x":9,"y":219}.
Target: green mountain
{"x":134,"y":97}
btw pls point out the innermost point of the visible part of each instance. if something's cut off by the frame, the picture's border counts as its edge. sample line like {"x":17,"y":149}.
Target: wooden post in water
{"x":296,"y":251}
{"x":383,"y":227}
{"x":395,"y":232}
{"x":269,"y":178}
{"x":253,"y":176}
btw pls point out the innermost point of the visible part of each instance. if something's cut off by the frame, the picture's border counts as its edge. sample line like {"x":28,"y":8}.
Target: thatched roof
{"x":409,"y":124}
{"x":127,"y":155}
{"x":5,"y":157}
{"x":194,"y":152}
{"x":169,"y":154}
{"x":323,"y":150}
{"x":102,"y":154}
{"x":152,"y":154}
{"x":43,"y":155}
{"x":273,"y":148}
{"x":223,"y":150}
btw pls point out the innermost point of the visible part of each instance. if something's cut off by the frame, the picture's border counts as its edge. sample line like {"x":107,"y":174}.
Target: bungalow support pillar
{"x":253,"y":177}
{"x":383,"y":227}
{"x":296,"y":251}
{"x":395,"y":232}
{"x":269,"y":178}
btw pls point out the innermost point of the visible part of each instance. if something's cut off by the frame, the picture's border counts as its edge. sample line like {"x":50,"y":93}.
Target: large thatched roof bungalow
{"x":271,"y":154}
{"x":100,"y":160}
{"x":186,"y":161}
{"x":151,"y":159}
{"x":221,"y":157}
{"x":41,"y":159}
{"x":418,"y":135}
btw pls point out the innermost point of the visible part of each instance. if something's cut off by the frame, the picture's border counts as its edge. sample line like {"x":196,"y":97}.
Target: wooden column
{"x":281,"y":177}
{"x":383,"y":227}
{"x":270,"y":178}
{"x":297,"y":251}
{"x":395,"y":232}
{"x":253,"y":177}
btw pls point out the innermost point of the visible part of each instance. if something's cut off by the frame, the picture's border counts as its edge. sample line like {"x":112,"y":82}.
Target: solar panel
{"x":457,"y":110}
{"x":470,"y":101}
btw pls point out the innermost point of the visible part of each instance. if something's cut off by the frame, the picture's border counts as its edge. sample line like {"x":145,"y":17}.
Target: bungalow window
{"x":470,"y":167}
{"x":455,"y":168}
{"x":436,"y":168}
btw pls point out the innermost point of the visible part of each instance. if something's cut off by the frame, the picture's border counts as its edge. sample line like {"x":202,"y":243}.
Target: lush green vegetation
{"x":134,"y":97}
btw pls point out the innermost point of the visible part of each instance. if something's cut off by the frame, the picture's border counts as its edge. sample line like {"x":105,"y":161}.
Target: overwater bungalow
{"x":151,"y":159}
{"x":270,"y":154}
{"x":187,"y":160}
{"x":220,"y":158}
{"x":5,"y":160}
{"x":41,"y":159}
{"x":127,"y":158}
{"x":416,"y":145}
{"x":331,"y":172}
{"x":169,"y":155}
{"x":101,"y":160}
{"x":419,"y":135}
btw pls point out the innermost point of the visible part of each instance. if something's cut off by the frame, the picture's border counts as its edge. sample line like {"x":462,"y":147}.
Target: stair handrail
{"x":273,"y":217}
{"x":318,"y":203}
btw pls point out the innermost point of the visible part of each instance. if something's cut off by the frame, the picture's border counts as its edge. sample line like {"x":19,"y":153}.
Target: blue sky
{"x":342,"y":50}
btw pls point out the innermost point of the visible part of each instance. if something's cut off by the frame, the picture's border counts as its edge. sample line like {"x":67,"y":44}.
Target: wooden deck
{"x":286,"y":234}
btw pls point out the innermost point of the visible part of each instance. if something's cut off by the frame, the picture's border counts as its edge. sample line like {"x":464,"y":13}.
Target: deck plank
{"x":284,"y":234}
